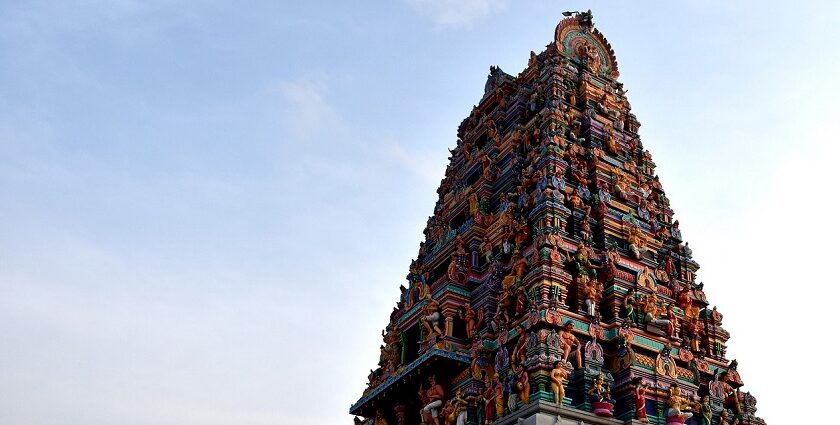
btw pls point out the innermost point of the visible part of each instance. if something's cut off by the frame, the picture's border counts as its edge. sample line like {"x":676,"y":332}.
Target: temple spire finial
{"x":585,"y":18}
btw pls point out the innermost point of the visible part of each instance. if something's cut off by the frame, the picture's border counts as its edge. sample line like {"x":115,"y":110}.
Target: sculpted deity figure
{"x":629,"y":305}
{"x":489,"y":406}
{"x":521,"y":347}
{"x":622,"y":185}
{"x":499,"y":397}
{"x":584,"y":268}
{"x":448,"y":413}
{"x":639,"y":401}
{"x":600,"y":391}
{"x":693,"y":334}
{"x":430,"y":320}
{"x":473,"y":321}
{"x":610,"y":263}
{"x":669,"y":265}
{"x":684,"y":297}
{"x":676,"y":403}
{"x":575,"y":200}
{"x":732,"y":397}
{"x":635,"y":238}
{"x":726,"y":418}
{"x":673,"y":321}
{"x":610,"y":142}
{"x":705,"y":417}
{"x":521,"y":301}
{"x":592,"y":291}
{"x":458,"y":404}
{"x":664,"y":364}
{"x":487,"y":249}
{"x":506,"y":297}
{"x":654,"y":315}
{"x":523,"y":385}
{"x":510,"y":385}
{"x":569,"y":343}
{"x":507,"y":217}
{"x":585,"y":227}
{"x":625,"y":355}
{"x":432,"y":399}
{"x":558,"y":378}
{"x":519,"y":268}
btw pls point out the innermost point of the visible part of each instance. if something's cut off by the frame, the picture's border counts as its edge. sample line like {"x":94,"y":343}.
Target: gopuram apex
{"x":554,"y":285}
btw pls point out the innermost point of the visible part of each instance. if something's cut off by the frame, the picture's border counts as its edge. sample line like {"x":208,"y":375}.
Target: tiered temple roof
{"x":553,"y":279}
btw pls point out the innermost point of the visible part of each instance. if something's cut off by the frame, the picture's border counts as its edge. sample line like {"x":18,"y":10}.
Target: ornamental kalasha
{"x":553,"y":284}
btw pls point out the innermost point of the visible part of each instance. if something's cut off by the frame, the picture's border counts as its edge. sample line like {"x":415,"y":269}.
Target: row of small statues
{"x":454,"y":411}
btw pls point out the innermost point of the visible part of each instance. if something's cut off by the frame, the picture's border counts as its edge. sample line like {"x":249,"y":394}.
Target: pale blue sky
{"x":206,"y":209}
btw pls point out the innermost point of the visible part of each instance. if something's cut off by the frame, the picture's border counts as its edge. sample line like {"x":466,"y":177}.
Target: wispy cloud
{"x":305,"y":108}
{"x":457,"y":13}
{"x":424,"y":165}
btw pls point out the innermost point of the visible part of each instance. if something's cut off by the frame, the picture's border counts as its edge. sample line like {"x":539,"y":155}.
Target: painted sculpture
{"x":552,"y":271}
{"x":558,"y":381}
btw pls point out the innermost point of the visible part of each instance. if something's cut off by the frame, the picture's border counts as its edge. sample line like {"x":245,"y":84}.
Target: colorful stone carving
{"x":558,"y":380}
{"x":602,"y":401}
{"x":551,"y":222}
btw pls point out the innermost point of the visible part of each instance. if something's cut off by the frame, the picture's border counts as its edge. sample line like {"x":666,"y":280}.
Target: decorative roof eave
{"x":356,"y":408}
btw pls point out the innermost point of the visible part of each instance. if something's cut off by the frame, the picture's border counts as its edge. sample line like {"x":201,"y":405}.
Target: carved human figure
{"x":523,"y":385}
{"x":684,"y":298}
{"x":693,"y":334}
{"x":487,"y":250}
{"x":732,"y":397}
{"x":600,"y":392}
{"x":705,"y":413}
{"x":511,"y":388}
{"x":506,"y":297}
{"x":558,"y":378}
{"x":519,"y":268}
{"x":448,"y":413}
{"x":676,"y":402}
{"x":664,"y":364}
{"x":473,"y":198}
{"x":622,"y":186}
{"x":521,"y":301}
{"x":472,"y":320}
{"x":726,"y":418}
{"x":585,"y":227}
{"x":499,"y":397}
{"x":624,"y":354}
{"x":673,"y":321}
{"x":610,"y":142}
{"x":592,"y":291}
{"x":628,"y":305}
{"x":430,"y":320}
{"x":489,"y":404}
{"x":459,"y":409}
{"x":517,"y":356}
{"x":575,"y":200}
{"x":635,"y":240}
{"x":639,"y":401}
{"x":584,"y":268}
{"x":654,"y":315}
{"x":432,"y":399}
{"x":569,"y":343}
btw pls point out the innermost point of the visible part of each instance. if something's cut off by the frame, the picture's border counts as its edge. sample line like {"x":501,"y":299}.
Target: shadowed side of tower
{"x":553,"y":285}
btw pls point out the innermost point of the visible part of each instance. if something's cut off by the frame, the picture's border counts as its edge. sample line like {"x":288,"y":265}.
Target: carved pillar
{"x":448,"y":319}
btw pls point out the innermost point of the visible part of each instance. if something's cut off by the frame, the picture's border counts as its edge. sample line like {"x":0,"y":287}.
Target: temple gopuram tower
{"x":554,"y":285}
